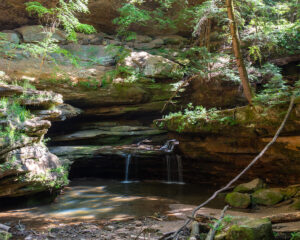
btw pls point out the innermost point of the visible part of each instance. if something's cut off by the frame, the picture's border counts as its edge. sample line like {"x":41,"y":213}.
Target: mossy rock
{"x":5,"y":235}
{"x":251,"y":229}
{"x":268,"y":197}
{"x":296,"y":204}
{"x":250,"y":187}
{"x":238,"y":200}
{"x":291,"y":191}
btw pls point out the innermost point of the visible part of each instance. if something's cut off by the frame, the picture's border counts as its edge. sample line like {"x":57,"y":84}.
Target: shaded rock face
{"x":13,"y":15}
{"x":26,"y":165}
{"x":223,"y":150}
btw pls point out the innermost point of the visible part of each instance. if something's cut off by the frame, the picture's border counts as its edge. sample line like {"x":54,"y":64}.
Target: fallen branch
{"x":285,"y":217}
{"x":176,"y":234}
{"x":4,"y":227}
{"x":213,"y":230}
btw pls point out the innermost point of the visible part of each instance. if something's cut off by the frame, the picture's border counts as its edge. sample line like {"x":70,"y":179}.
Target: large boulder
{"x":268,"y":197}
{"x":152,"y":66}
{"x":96,"y":54}
{"x":10,"y":36}
{"x":36,"y":33}
{"x":251,"y":229}
{"x":238,"y":200}
{"x":250,"y":187}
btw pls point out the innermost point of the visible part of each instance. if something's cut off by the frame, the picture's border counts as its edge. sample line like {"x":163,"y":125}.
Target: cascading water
{"x":128,"y":160}
{"x":172,"y":160}
{"x":168,"y":160}
{"x":179,"y":167}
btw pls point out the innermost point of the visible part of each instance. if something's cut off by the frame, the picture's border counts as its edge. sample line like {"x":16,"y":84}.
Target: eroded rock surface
{"x":26,"y":165}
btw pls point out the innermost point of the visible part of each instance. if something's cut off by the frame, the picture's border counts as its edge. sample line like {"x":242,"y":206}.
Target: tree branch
{"x":176,"y":234}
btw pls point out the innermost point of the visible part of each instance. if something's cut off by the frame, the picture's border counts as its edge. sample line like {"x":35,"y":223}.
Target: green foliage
{"x":62,"y":15}
{"x":295,"y":235}
{"x":275,"y":91}
{"x":11,"y":134}
{"x":134,"y":12}
{"x":62,"y":177}
{"x":128,"y":74}
{"x":9,"y":165}
{"x":14,"y":110}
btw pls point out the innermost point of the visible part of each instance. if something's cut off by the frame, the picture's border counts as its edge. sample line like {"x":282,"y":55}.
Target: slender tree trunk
{"x":237,"y":52}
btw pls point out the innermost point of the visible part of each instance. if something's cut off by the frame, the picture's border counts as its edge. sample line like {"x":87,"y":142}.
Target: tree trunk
{"x":237,"y":52}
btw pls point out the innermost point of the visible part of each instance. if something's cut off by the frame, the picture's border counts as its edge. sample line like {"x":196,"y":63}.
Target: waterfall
{"x":179,"y":167}
{"x":173,"y":160}
{"x":168,"y":160}
{"x":169,"y":146}
{"x":128,"y":160}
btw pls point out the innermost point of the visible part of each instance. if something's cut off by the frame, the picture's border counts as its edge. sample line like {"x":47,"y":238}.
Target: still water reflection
{"x":97,"y":198}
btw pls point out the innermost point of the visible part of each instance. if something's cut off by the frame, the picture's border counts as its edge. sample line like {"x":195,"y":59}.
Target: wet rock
{"x":36,"y":33}
{"x":252,"y":229}
{"x":238,"y":200}
{"x":268,"y":197}
{"x":250,"y":187}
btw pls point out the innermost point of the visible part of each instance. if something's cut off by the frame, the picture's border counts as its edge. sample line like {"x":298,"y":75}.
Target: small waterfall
{"x":128,"y":160}
{"x":168,"y":160}
{"x":179,"y":166}
{"x":169,"y":146}
{"x":173,"y":160}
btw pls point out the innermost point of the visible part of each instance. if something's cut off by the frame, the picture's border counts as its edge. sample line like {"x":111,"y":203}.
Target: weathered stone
{"x":238,"y":200}
{"x":157,"y":43}
{"x":291,"y":191}
{"x":174,"y":39}
{"x":250,"y":187}
{"x":10,"y":90}
{"x":67,"y":111}
{"x":151,"y":65}
{"x":91,"y":53}
{"x":40,"y":99}
{"x":268,"y":197}
{"x":107,"y":136}
{"x":142,"y":39}
{"x":11,"y":37}
{"x":252,"y":229}
{"x":36,"y":33}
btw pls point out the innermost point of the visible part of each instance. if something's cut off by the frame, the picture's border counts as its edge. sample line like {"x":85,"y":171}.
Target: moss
{"x":238,"y":200}
{"x":240,"y":233}
{"x":296,"y":204}
{"x":268,"y":197}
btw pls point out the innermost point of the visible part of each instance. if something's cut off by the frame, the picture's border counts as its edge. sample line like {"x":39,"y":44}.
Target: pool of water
{"x":98,"y":199}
